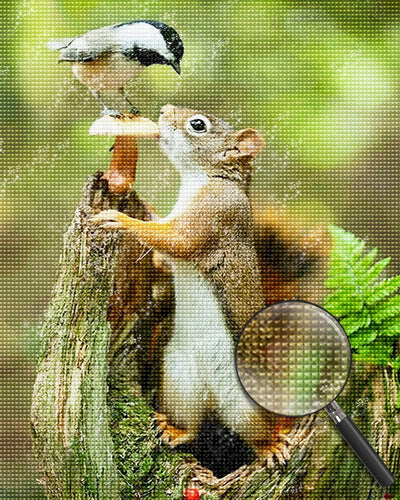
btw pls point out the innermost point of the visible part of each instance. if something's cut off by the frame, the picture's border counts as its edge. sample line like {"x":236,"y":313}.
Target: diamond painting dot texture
{"x":117,"y":366}
{"x":293,"y":358}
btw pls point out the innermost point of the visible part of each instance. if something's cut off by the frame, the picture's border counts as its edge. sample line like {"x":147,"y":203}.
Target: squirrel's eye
{"x":198,"y":124}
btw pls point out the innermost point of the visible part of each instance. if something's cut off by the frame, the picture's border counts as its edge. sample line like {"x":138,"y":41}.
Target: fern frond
{"x":363,"y":338}
{"x":387,"y":309}
{"x":354,"y":322}
{"x":374,"y":272}
{"x":382,"y":290}
{"x":366,"y":304}
{"x":366,"y":262}
{"x":390,"y":327}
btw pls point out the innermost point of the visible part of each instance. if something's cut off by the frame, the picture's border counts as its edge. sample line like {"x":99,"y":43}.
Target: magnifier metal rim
{"x":297,"y":302}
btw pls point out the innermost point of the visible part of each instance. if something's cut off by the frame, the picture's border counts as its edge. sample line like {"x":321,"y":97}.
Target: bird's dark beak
{"x":177,"y":67}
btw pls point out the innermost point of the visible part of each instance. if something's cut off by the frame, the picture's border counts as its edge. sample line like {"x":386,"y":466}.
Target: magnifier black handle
{"x":360,"y":445}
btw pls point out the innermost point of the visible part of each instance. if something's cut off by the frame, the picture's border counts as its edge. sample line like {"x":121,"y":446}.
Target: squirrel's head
{"x":194,"y":140}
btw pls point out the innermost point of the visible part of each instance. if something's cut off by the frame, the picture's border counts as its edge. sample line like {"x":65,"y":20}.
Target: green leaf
{"x":363,"y":338}
{"x":357,"y":252}
{"x":339,"y":276}
{"x":354,"y":322}
{"x":344,"y":305}
{"x":375,"y":270}
{"x":390,"y":327}
{"x":395,"y":363}
{"x":382,"y":290}
{"x":367,"y":306}
{"x":346,"y":239}
{"x":347,"y":248}
{"x":366,"y":262}
{"x":378,"y":352}
{"x":344,"y":302}
{"x":387,"y":309}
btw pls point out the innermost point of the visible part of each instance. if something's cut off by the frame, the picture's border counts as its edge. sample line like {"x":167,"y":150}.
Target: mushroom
{"x":126,"y":128}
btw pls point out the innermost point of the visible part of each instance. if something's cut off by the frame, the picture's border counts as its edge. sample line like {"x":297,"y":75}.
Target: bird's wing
{"x":74,"y":54}
{"x":87,"y":47}
{"x":59,"y":44}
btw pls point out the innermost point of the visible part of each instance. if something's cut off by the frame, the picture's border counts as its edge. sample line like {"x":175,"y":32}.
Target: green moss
{"x":148,"y":468}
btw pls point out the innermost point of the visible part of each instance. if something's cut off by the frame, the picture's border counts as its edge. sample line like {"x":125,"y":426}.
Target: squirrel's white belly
{"x":201,"y":341}
{"x":198,"y":315}
{"x":199,"y":374}
{"x":199,"y":369}
{"x":200,"y":333}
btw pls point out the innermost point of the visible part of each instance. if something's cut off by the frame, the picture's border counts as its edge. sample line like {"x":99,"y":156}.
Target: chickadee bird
{"x":105,"y":59}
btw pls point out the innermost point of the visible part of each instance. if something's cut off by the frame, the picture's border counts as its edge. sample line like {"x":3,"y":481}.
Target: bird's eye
{"x":198,"y":124}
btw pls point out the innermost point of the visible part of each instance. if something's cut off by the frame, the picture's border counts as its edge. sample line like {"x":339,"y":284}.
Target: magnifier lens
{"x":293,"y":358}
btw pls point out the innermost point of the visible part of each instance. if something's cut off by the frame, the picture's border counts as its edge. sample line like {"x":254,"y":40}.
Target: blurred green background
{"x":319,"y":79}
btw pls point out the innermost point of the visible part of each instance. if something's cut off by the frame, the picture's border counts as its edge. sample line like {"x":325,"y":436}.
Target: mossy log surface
{"x":93,"y":428}
{"x":69,"y":410}
{"x":370,"y":399}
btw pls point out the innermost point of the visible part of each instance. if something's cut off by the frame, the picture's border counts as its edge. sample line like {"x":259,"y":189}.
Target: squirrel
{"x":209,"y":241}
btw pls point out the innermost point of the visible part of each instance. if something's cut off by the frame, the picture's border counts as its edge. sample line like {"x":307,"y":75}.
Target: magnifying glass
{"x":293,"y":358}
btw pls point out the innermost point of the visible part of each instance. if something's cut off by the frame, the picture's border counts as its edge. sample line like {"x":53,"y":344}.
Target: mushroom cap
{"x":126,"y":124}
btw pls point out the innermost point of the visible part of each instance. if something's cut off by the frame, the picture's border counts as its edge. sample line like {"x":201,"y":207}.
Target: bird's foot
{"x":134,"y":111}
{"x":114,"y":113}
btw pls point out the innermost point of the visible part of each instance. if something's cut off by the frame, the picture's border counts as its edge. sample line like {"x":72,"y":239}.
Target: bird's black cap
{"x":172,"y":39}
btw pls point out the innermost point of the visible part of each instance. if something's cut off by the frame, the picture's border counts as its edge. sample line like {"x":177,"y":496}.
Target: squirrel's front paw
{"x":110,"y":219}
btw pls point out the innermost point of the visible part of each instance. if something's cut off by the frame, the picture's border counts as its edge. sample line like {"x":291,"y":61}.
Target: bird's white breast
{"x":107,"y":73}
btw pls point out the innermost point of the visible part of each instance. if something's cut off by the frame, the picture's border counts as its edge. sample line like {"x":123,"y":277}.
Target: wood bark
{"x":70,"y":417}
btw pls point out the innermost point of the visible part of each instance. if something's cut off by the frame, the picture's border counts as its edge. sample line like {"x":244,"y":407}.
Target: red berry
{"x":192,"y":494}
{"x":387,"y":496}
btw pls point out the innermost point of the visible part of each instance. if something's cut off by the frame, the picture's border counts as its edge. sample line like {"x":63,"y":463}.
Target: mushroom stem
{"x":121,"y":174}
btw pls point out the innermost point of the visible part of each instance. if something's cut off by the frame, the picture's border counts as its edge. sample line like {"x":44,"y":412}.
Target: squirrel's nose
{"x":167,"y":114}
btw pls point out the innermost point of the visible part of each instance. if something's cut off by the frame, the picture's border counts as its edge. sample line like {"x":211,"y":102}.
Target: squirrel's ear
{"x":247,"y":143}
